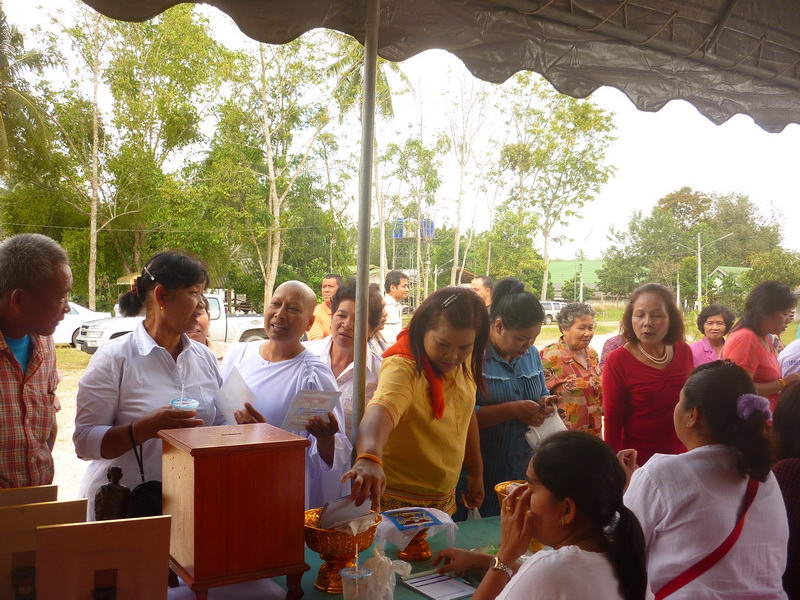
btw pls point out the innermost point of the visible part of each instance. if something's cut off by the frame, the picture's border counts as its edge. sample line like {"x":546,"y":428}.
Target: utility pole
{"x":700,"y":247}
{"x":699,"y":304}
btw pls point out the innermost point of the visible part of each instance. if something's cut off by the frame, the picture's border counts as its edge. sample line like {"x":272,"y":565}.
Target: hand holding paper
{"x":306,"y":405}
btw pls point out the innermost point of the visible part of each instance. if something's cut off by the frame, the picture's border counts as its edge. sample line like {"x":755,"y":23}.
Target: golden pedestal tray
{"x":501,"y":490}
{"x":418,"y":548}
{"x":336,"y":549}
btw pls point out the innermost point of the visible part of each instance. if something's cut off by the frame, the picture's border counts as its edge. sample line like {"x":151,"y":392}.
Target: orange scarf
{"x":402,"y":347}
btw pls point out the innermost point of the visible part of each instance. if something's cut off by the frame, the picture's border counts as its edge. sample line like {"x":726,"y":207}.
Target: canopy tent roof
{"x":723,"y":56}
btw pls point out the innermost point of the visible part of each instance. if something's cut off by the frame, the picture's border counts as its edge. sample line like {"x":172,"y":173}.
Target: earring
{"x":563,"y":521}
{"x":161,"y":307}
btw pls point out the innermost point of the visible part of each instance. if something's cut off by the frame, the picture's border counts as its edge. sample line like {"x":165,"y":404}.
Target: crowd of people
{"x":677,"y":473}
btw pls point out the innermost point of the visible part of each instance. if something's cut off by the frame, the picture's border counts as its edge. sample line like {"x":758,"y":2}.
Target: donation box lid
{"x":201,"y":441}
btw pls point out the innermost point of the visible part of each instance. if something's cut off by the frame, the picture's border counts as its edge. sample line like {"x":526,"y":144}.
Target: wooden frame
{"x":137,"y":549}
{"x":18,"y":534}
{"x":28,"y":495}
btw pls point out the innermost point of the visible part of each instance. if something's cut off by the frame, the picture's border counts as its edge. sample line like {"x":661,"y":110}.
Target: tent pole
{"x":364,"y":205}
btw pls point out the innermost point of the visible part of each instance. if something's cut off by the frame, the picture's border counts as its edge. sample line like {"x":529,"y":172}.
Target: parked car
{"x":69,"y":327}
{"x":551,"y":310}
{"x":224,"y":328}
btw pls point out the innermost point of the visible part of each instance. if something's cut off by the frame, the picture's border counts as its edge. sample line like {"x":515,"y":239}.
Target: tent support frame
{"x":364,"y":206}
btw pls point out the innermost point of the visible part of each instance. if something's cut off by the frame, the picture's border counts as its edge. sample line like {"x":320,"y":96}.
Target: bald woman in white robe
{"x":276,"y":369}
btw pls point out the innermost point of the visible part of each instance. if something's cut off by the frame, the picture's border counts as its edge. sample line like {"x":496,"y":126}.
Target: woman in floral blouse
{"x":571,"y":370}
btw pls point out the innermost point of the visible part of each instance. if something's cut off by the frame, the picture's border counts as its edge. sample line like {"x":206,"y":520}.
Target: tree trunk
{"x":94,"y":177}
{"x":546,"y":261}
{"x":466,"y":251}
{"x":332,"y":215}
{"x":457,"y":237}
{"x":419,"y":252}
{"x":376,"y":180}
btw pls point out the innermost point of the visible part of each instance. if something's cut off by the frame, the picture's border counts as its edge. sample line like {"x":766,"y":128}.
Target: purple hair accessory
{"x":746,"y":404}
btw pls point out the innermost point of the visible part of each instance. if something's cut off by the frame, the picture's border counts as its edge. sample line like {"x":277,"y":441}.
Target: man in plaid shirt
{"x":35,"y":281}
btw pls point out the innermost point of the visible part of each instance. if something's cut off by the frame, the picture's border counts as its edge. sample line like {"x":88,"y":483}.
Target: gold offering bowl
{"x":501,"y":489}
{"x":417,"y":549}
{"x":337,"y":549}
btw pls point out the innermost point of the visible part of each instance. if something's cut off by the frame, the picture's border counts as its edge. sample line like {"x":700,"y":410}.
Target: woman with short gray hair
{"x":571,"y":370}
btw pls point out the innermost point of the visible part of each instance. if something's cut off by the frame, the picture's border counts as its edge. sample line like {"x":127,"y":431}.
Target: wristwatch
{"x":497,"y":565}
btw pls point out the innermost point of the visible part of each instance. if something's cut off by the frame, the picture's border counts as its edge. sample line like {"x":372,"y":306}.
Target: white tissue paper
{"x":383,"y":570}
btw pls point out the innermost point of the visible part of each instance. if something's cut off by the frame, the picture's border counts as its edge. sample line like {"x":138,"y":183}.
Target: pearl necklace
{"x":661,"y":360}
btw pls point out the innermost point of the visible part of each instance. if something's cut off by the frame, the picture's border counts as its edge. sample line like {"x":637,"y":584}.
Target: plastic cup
{"x":356,"y":584}
{"x":184,"y":404}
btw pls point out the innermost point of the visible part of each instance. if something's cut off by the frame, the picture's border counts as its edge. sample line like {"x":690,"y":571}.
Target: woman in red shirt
{"x":749,"y":346}
{"x":642,"y":380}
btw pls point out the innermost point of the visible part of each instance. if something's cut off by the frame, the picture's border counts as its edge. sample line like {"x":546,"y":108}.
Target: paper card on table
{"x":411,"y":518}
{"x":306,"y":405}
{"x":232,"y":396}
{"x":439,"y":587}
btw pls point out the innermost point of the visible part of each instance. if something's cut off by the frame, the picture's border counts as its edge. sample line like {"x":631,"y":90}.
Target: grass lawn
{"x":68,"y":358}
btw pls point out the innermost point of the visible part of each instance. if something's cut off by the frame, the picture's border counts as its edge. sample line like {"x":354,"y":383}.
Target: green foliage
{"x":22,"y":118}
{"x":558,"y":158}
{"x":776,"y":264}
{"x":656,"y":246}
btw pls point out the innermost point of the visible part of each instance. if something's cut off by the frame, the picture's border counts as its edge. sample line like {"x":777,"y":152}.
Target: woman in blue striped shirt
{"x":512,"y":370}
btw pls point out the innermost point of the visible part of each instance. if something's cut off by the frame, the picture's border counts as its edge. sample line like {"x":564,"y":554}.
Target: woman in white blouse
{"x":131,"y":380}
{"x":573,"y":503}
{"x":688,"y":504}
{"x":336,"y":350}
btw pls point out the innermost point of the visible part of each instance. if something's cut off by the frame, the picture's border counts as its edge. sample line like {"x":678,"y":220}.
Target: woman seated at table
{"x":336,"y":350}
{"x":750,"y":346}
{"x":420,"y":426}
{"x":573,"y":503}
{"x":689,"y":503}
{"x":571,"y":370}
{"x":786,"y":427}
{"x":714,"y":322}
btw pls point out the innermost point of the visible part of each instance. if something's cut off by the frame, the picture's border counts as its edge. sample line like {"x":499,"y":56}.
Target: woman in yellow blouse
{"x":571,"y":370}
{"x":420,"y":426}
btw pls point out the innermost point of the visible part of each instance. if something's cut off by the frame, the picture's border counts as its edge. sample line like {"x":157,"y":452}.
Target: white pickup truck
{"x":224,"y":328}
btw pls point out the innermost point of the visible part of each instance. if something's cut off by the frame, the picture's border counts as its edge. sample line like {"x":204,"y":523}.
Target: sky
{"x":654,"y":153}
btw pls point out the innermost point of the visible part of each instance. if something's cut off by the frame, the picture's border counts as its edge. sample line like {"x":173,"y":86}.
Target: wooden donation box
{"x":236,"y":494}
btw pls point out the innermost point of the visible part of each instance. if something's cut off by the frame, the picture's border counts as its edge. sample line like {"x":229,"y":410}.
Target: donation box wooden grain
{"x":236,"y":496}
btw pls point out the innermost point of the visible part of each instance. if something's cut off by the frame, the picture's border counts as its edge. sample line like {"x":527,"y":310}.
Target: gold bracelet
{"x":781,"y":384}
{"x":372,"y":457}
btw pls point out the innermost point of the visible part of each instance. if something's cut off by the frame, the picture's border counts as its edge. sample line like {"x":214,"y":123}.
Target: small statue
{"x":111,"y":500}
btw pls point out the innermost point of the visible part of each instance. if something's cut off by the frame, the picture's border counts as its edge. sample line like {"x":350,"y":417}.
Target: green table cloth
{"x":470,"y":534}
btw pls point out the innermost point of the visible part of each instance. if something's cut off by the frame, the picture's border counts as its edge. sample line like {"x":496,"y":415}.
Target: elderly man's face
{"x":42,"y":308}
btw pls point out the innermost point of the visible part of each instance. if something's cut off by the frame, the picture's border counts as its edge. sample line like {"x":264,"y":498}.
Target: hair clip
{"x":449,"y":300}
{"x":149,"y":274}
{"x":518,"y":288}
{"x":747,"y":404}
